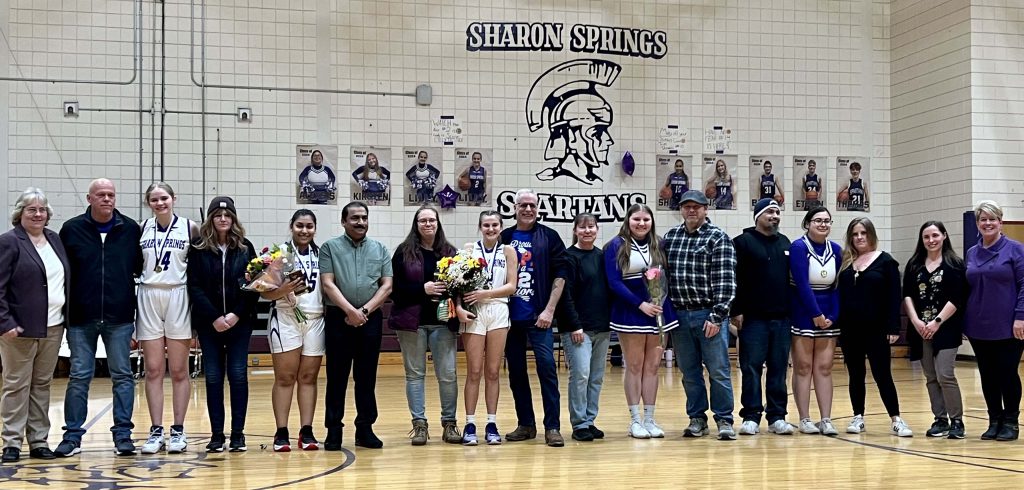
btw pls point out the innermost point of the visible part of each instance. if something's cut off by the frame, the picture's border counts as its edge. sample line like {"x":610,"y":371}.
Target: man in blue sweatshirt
{"x":761,"y":314}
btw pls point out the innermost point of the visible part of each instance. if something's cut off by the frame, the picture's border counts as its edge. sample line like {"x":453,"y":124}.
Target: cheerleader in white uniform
{"x":163,"y":323}
{"x":297,"y":347}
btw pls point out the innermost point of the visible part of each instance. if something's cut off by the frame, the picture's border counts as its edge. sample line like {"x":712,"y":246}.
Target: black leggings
{"x":876,"y":349}
{"x":998,"y":364}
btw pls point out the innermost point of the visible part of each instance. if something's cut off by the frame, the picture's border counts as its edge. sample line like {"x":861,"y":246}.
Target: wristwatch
{"x":938,"y":319}
{"x":365,"y":311}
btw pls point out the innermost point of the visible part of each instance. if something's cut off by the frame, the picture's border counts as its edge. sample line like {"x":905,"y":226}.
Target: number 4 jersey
{"x":165,"y":252}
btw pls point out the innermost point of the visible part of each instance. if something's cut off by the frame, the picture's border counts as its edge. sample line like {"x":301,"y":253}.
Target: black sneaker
{"x":306,"y":439}
{"x":124,"y":447}
{"x":67,"y":448}
{"x":281,"y":442}
{"x":598,"y":433}
{"x":956,"y":429}
{"x":333,"y":440}
{"x":216,"y":444}
{"x":583,"y":435}
{"x":11,"y":455}
{"x":939,"y":428}
{"x":237,"y":444}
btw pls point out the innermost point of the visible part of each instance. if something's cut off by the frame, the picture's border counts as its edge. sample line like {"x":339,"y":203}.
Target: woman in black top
{"x":222,"y":315}
{"x":869,"y":320}
{"x":935,"y":293}
{"x":583,"y":316}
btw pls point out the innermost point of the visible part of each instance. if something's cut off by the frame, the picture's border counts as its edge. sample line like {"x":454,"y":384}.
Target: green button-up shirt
{"x":357,"y":267}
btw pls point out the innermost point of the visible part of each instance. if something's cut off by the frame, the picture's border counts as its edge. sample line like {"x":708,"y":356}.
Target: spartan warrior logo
{"x":566,"y":101}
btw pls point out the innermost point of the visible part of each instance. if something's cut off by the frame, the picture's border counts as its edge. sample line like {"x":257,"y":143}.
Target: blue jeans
{"x":82,"y":341}
{"x":226,"y":353}
{"x":694,"y":350}
{"x":764,"y":342}
{"x":542,"y":340}
{"x":586,"y":374}
{"x":441,"y":343}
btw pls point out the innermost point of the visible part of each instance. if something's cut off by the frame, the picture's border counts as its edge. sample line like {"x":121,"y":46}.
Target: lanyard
{"x":490,"y":263}
{"x":160,"y":253}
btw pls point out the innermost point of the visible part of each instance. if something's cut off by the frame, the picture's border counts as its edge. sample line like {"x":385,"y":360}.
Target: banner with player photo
{"x":852,"y":184}
{"x":423,"y":168}
{"x":316,"y":167}
{"x":808,"y":182}
{"x":673,"y":177}
{"x":720,"y":181}
{"x":474,"y":167}
{"x":371,"y":177}
{"x":767,"y":174}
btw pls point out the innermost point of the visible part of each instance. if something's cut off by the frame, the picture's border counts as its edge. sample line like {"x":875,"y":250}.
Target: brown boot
{"x":522,"y":433}
{"x":419,"y":434}
{"x":451,"y":432}
{"x":553,"y":438}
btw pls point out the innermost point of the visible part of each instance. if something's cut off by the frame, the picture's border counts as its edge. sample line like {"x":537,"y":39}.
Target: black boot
{"x":994,"y":426}
{"x":1009,"y":430}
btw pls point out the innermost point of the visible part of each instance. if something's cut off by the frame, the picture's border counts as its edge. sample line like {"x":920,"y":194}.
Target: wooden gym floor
{"x":871,"y":460}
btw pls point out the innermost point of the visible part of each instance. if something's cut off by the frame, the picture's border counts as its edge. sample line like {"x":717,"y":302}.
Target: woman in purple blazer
{"x":33,"y":281}
{"x":995,"y":319}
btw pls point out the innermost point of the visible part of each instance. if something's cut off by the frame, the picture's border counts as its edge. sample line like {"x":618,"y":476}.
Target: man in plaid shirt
{"x":701,"y":284}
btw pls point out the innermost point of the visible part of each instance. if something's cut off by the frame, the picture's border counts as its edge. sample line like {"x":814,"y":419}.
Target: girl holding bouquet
{"x":484,"y":332}
{"x":222,"y":314}
{"x":414,"y":319}
{"x":631,"y":259}
{"x":163,"y":323}
{"x":297,"y":347}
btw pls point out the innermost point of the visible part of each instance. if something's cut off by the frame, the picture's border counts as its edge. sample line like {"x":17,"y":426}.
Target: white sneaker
{"x":178,"y":442}
{"x":827,"y":428}
{"x":155,"y":442}
{"x":856,"y":425}
{"x":808,"y":427}
{"x":749,"y":428}
{"x":901,"y":429}
{"x":782,"y":427}
{"x":725,"y":431}
{"x":637,"y":431}
{"x":654,"y":429}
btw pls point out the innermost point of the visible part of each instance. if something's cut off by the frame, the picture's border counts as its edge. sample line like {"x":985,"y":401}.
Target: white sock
{"x":471,"y":419}
{"x":649,"y":413}
{"x":634,"y":412}
{"x":492,"y":418}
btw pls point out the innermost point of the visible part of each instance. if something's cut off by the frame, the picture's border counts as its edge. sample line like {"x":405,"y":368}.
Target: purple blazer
{"x":23,"y":289}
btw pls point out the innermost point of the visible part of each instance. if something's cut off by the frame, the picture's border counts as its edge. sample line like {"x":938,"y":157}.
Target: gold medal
{"x":158,"y":269}
{"x":824,"y":273}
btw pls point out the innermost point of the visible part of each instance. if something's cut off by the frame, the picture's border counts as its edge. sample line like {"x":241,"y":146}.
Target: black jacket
{"x":103,"y":272}
{"x":215,"y":288}
{"x":762,"y":275}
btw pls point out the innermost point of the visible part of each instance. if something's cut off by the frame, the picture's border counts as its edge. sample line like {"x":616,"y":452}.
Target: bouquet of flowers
{"x":654,"y":279}
{"x":273,"y":267}
{"x":460,"y":274}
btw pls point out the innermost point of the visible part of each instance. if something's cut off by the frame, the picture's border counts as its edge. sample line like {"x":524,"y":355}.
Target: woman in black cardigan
{"x":33,"y":285}
{"x":222,"y":315}
{"x":869,"y":321}
{"x":935,"y":293}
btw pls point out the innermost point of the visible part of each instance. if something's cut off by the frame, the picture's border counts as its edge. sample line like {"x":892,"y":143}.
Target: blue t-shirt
{"x":521,"y":305}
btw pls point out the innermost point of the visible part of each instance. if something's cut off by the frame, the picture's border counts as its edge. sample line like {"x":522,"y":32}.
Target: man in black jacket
{"x":105,"y":258}
{"x":761,"y":314}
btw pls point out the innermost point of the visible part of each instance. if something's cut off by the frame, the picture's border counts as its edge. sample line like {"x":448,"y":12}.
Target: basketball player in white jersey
{"x":483,"y":334}
{"x":297,"y":347}
{"x":163,"y":322}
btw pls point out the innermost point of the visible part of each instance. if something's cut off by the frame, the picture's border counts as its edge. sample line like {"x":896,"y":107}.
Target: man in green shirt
{"x":355,"y":272}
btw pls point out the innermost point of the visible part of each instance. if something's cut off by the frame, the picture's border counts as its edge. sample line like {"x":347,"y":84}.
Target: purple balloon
{"x":448,"y":197}
{"x":628,"y":164}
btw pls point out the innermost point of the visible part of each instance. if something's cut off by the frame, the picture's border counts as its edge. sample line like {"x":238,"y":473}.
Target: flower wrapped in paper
{"x":460,"y":274}
{"x":272,"y":268}
{"x":654,"y":279}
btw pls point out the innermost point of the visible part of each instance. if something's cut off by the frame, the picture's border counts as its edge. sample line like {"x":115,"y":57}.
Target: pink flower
{"x":652,"y":273}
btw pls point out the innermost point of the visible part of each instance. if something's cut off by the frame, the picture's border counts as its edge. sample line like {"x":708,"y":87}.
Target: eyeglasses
{"x":31,"y":211}
{"x":426,"y":221}
{"x":819,"y":222}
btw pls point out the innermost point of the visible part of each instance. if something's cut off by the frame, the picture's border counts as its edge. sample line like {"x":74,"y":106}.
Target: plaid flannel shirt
{"x":701,"y":270}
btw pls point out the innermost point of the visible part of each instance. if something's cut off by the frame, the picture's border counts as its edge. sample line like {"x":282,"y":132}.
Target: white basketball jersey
{"x":496,"y":268}
{"x":311,"y":302}
{"x":165,"y":252}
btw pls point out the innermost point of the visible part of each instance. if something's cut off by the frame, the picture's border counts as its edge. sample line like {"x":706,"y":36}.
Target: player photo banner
{"x":371,"y":177}
{"x":423,"y":167}
{"x":673,"y":179}
{"x":766,"y":179}
{"x":852,"y":184}
{"x":317,"y":181}
{"x":474,"y":168}
{"x":808,"y":182}
{"x":720,"y":181}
